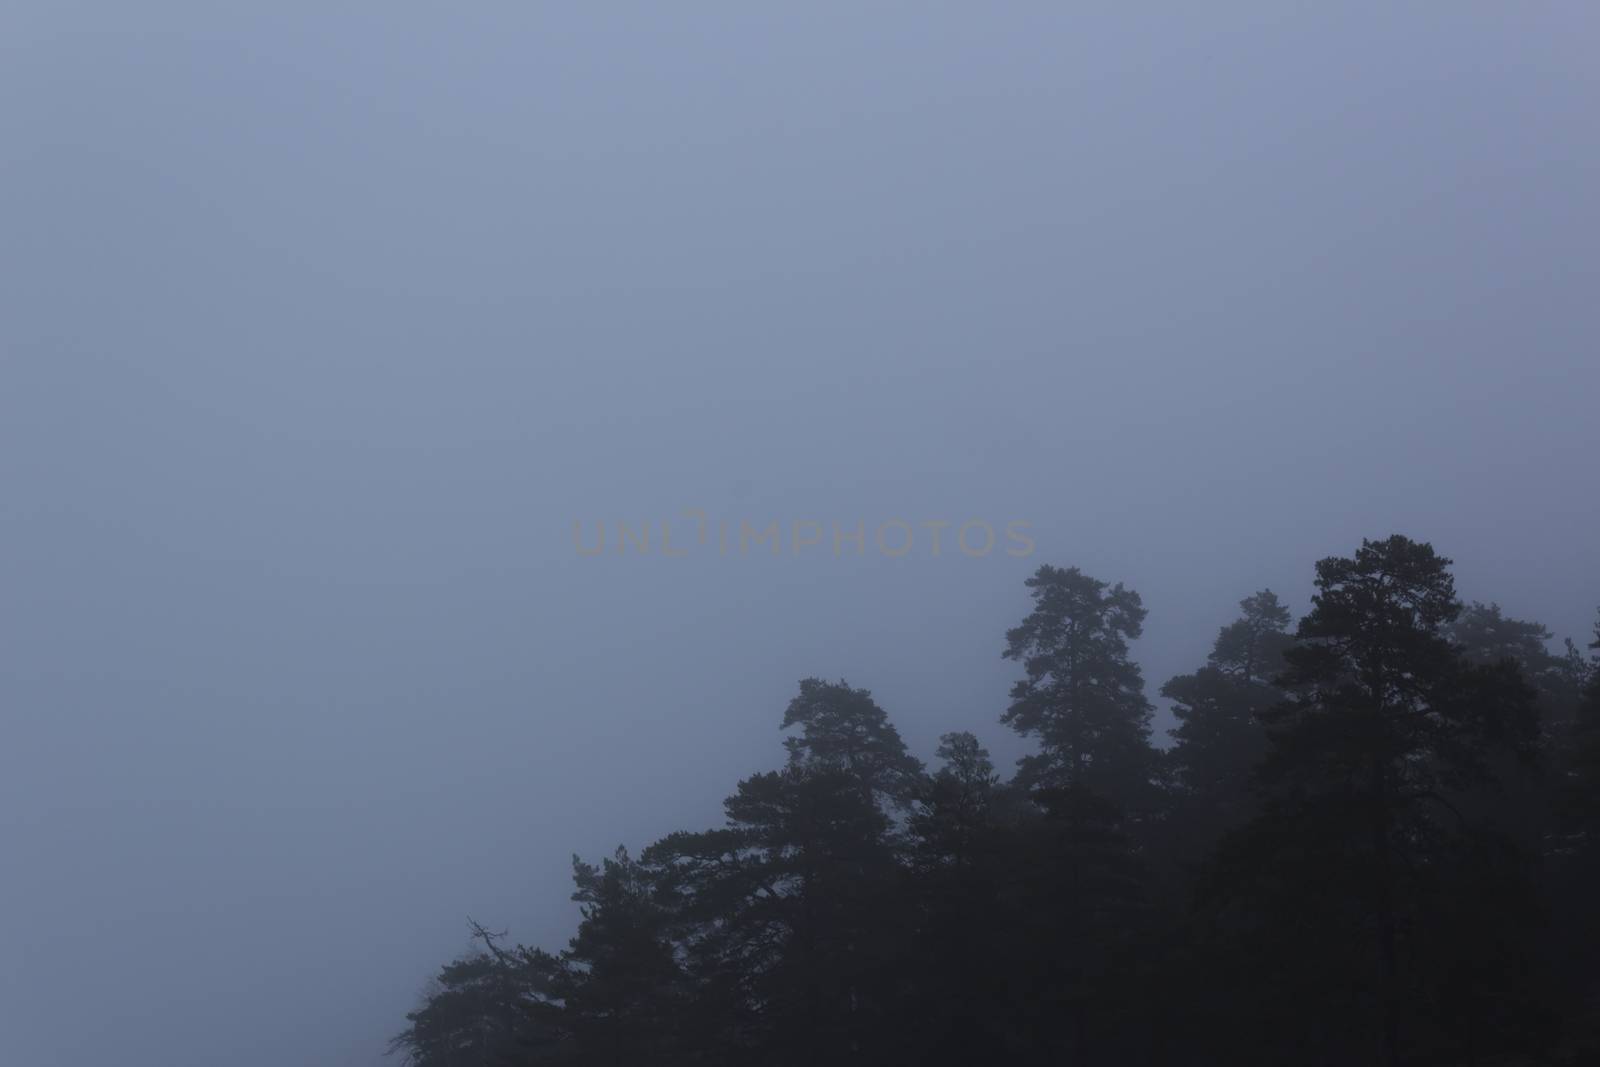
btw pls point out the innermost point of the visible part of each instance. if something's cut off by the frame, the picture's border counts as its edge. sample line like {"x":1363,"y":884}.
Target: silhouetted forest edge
{"x":1373,"y":840}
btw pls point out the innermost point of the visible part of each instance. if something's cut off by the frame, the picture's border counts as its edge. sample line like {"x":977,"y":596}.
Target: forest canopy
{"x":1373,"y":837}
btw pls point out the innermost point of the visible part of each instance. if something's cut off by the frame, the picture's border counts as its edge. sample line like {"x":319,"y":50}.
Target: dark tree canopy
{"x":1375,"y":840}
{"x":1220,"y":739}
{"x":1083,"y":695}
{"x":843,"y":729}
{"x":1388,"y":731}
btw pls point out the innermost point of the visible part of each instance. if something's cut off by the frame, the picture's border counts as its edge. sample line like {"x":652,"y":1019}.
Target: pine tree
{"x":494,"y":1007}
{"x":1083,"y":697}
{"x":792,"y":914}
{"x":1573,"y":861}
{"x":625,"y":996}
{"x":843,"y":729}
{"x":1582,"y":766}
{"x":783,"y":917}
{"x":1220,"y":739}
{"x":1357,"y":873}
{"x":971,"y":932}
{"x":1486,"y":635}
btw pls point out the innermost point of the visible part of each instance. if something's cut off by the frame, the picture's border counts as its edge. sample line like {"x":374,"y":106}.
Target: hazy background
{"x":319,"y":327}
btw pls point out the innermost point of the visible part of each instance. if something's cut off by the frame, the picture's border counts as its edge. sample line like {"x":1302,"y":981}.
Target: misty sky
{"x":320,"y":327}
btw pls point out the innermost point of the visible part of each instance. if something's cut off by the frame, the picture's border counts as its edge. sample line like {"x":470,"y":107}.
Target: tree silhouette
{"x":1387,"y":728}
{"x":1220,"y":739}
{"x":626,"y":997}
{"x":1083,"y":696}
{"x":1376,"y":841}
{"x":843,"y":729}
{"x":494,"y":1007}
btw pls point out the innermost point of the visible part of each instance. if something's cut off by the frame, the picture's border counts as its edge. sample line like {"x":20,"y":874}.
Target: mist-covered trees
{"x":1579,"y":762}
{"x":1082,"y":696}
{"x":1573,"y":863}
{"x":843,"y":729}
{"x":625,"y":992}
{"x":495,"y":1005}
{"x":1364,"y":835}
{"x":1375,"y":839}
{"x":1220,"y":739}
{"x":787,"y":915}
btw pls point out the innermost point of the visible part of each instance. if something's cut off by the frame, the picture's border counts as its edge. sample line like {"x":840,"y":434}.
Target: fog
{"x":321,"y":327}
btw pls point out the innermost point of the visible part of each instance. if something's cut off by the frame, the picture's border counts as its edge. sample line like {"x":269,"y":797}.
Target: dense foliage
{"x":1374,"y":840}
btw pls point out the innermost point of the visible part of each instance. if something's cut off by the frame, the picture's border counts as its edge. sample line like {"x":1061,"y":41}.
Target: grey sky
{"x":320,"y":327}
